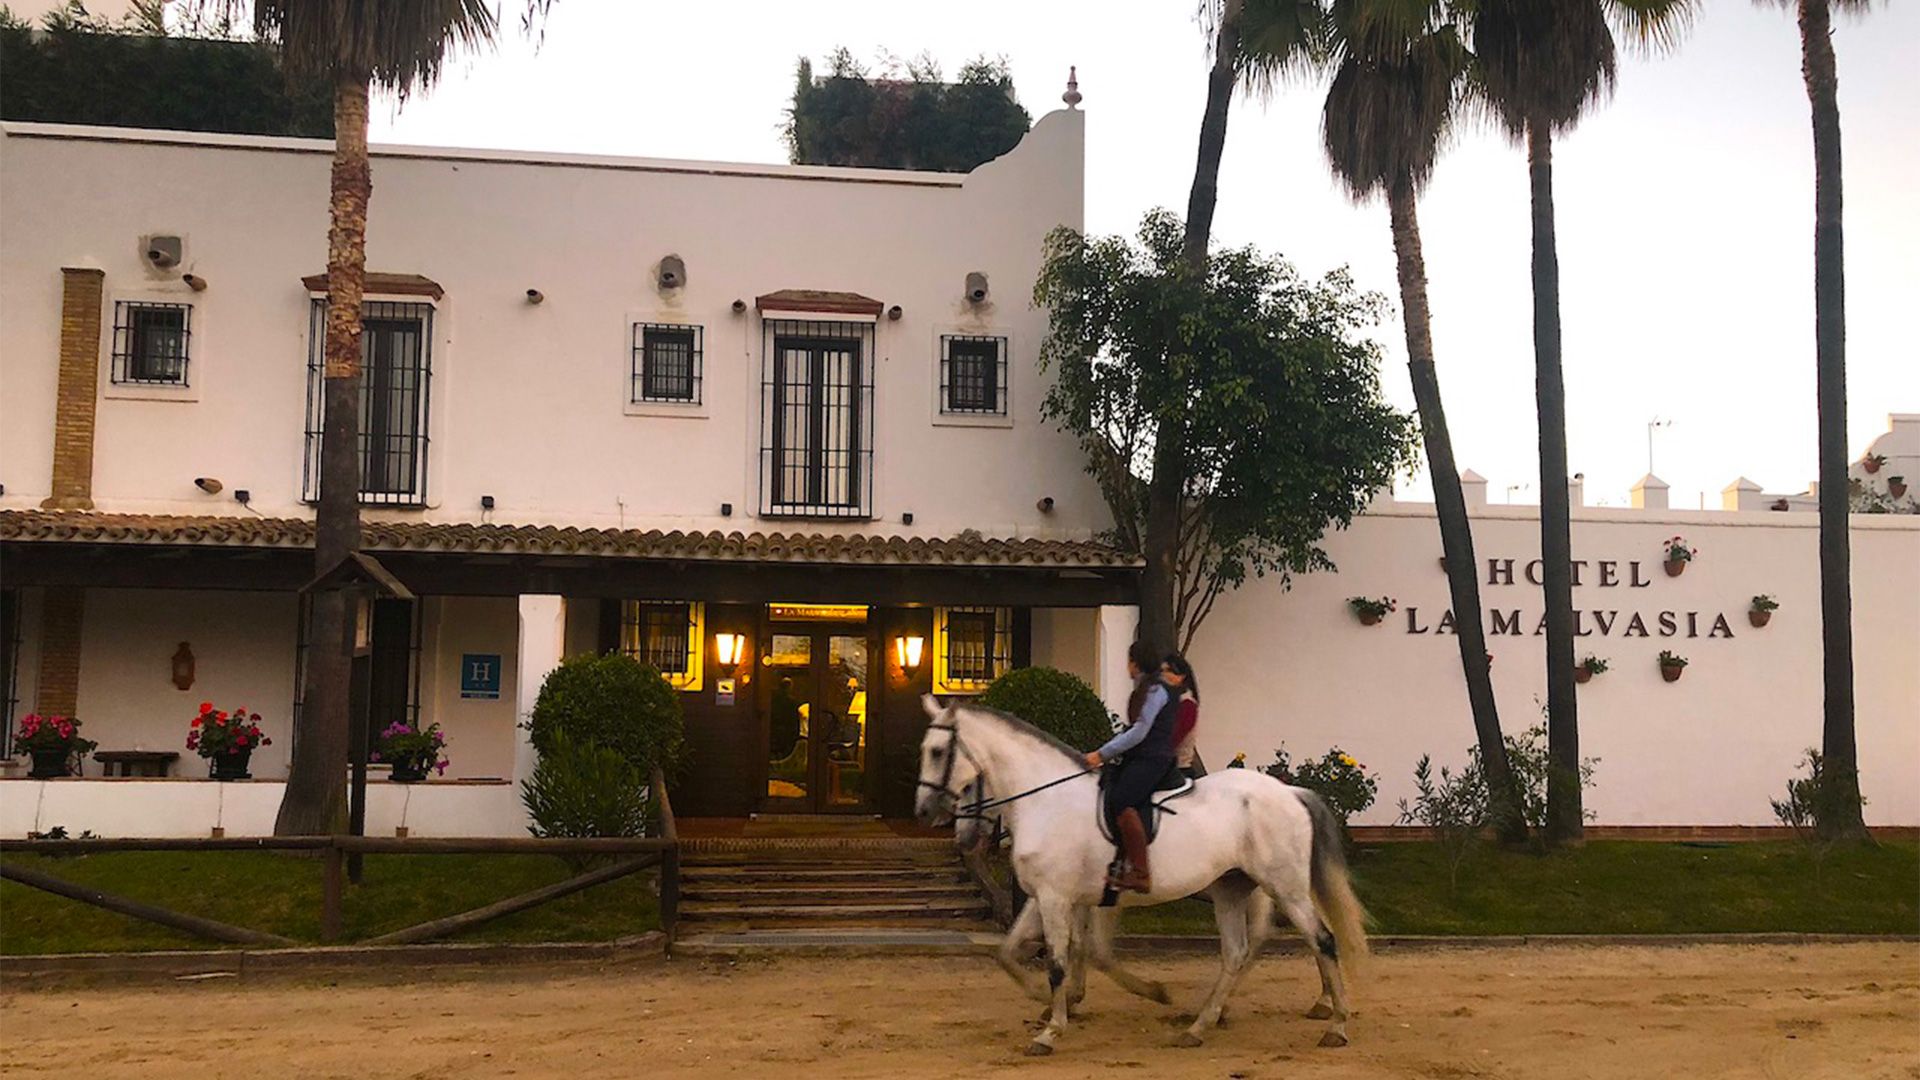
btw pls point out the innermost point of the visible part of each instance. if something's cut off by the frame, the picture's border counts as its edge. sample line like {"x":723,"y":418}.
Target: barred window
{"x":972,"y":646}
{"x":150,"y":343}
{"x":396,"y":371}
{"x":665,"y":636}
{"x":973,"y":375}
{"x":666,"y":364}
{"x":816,"y":420}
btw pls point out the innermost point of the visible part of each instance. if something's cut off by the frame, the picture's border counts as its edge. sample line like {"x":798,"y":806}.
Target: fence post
{"x":332,"y":888}
{"x":669,"y":861}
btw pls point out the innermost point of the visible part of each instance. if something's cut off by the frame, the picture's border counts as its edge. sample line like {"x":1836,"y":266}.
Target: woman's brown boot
{"x":1136,"y":877}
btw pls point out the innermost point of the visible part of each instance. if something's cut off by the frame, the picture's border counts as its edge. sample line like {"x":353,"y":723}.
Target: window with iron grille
{"x":666,"y":364}
{"x":973,"y":375}
{"x":972,"y":646}
{"x":665,"y":636}
{"x":816,"y":423}
{"x":150,"y":343}
{"x":396,"y":347}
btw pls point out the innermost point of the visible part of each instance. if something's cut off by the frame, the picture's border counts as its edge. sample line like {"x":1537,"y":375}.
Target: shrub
{"x":616,"y":702}
{"x":1454,"y":807}
{"x":1340,"y":781}
{"x":1812,"y":796}
{"x":579,"y":788}
{"x":1527,"y":754}
{"x":1056,"y":702}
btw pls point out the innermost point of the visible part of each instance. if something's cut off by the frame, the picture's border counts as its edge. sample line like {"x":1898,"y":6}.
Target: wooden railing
{"x":662,"y":851}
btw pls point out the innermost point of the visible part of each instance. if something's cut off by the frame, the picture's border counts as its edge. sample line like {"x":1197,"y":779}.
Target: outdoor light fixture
{"x":195,"y":282}
{"x":535,"y":296}
{"x":729,"y":648}
{"x":486,"y":502}
{"x":183,"y":667}
{"x":894,"y":313}
{"x":907,"y":650}
{"x":906,"y":518}
{"x":208,"y":484}
{"x":242,"y":496}
{"x":726,"y":509}
{"x":739,"y":307}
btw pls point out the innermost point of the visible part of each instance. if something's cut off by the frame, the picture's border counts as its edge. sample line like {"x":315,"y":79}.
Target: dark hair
{"x":1178,"y":664}
{"x":1144,"y":656}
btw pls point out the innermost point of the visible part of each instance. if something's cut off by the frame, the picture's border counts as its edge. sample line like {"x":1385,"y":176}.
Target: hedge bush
{"x":1056,"y":702}
{"x":584,"y":789}
{"x":616,"y":702}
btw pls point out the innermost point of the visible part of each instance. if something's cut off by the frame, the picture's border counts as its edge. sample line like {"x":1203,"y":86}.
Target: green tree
{"x":903,"y":118}
{"x":1277,"y":394}
{"x":1841,"y":754}
{"x":353,"y":46}
{"x":1400,"y":69}
{"x":1540,"y":65}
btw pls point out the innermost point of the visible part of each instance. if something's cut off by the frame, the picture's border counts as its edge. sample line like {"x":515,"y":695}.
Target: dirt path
{"x":1841,"y":1011}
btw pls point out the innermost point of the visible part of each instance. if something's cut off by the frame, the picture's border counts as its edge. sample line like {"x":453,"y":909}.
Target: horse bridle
{"x":978,"y":808}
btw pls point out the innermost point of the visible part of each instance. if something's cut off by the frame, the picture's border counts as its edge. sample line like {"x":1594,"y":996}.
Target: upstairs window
{"x":973,"y":375}
{"x":972,"y":646}
{"x":150,"y":343}
{"x":665,"y":637}
{"x":395,"y":373}
{"x":816,"y":421}
{"x":666,"y":364}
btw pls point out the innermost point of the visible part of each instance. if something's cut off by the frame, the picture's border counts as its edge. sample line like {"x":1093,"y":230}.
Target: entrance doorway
{"x":814,"y":683}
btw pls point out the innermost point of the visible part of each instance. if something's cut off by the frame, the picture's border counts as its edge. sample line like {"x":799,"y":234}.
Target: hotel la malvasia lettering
{"x":1621,"y":610}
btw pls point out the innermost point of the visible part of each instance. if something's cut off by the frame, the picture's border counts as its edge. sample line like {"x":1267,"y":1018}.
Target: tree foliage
{"x":84,"y":69}
{"x":1284,"y":430}
{"x":1057,"y":702}
{"x":616,"y":702}
{"x":905,"y":117}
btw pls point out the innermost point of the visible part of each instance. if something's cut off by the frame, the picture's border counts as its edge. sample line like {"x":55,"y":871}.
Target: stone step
{"x":797,"y":873}
{"x":762,"y":895}
{"x":865,"y":914}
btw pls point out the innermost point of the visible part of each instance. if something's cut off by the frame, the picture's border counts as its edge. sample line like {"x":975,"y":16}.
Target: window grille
{"x":972,"y":646}
{"x":10,"y":641}
{"x":816,"y":423}
{"x":150,"y":343}
{"x":973,"y":375}
{"x":666,"y":364}
{"x":396,"y":346}
{"x":666,"y":637}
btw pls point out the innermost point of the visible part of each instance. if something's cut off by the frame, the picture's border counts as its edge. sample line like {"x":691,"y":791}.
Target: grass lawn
{"x":1619,"y":887}
{"x":280,"y":893}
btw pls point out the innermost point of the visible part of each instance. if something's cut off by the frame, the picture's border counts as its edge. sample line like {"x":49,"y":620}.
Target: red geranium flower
{"x":206,"y":706}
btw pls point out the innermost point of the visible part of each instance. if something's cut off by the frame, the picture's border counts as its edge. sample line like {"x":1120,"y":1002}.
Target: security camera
{"x":976,"y":287}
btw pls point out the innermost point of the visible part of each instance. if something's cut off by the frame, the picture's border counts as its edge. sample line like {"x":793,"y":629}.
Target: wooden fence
{"x":643,"y":852}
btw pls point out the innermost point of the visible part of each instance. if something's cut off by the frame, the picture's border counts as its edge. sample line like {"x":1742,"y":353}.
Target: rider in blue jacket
{"x":1147,"y":743}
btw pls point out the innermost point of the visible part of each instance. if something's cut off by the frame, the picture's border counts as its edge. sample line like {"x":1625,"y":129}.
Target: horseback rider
{"x":1177,"y":673}
{"x":1147,"y":743}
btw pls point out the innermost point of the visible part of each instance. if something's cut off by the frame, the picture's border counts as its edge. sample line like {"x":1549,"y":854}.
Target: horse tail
{"x":1332,"y":886}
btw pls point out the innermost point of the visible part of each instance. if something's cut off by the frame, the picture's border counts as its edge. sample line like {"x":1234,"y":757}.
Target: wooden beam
{"x":427,"y":931}
{"x":191,"y":924}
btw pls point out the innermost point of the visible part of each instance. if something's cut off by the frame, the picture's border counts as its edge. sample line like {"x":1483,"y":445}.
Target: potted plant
{"x":1671,"y":665}
{"x":1762,"y":610}
{"x":1896,"y":486}
{"x":1679,"y":554}
{"x":1371,"y":611}
{"x":52,"y":742}
{"x":1872,"y":462}
{"x":412,"y":751}
{"x":226,"y":740}
{"x":1588,"y":668}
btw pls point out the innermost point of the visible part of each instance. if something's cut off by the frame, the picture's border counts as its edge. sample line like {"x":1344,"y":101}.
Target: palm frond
{"x":1282,"y":41}
{"x":1541,"y":61}
{"x":1391,"y":104}
{"x":1654,"y":26}
{"x":397,"y":46}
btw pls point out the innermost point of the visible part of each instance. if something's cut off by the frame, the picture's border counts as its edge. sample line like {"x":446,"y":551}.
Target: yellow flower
{"x":1346,"y":760}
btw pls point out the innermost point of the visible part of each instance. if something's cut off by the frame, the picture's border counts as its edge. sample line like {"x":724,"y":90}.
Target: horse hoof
{"x":1320,"y":1011}
{"x":1334,"y":1038}
{"x":1187,"y":1040}
{"x":1038,"y":1049}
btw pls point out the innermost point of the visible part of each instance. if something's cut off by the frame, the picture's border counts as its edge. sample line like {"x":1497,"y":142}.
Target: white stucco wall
{"x":149,"y":808}
{"x":528,"y":402}
{"x":1296,"y":666}
{"x":480,"y":733}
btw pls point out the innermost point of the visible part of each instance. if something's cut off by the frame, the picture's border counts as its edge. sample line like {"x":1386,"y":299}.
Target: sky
{"x":1684,"y":204}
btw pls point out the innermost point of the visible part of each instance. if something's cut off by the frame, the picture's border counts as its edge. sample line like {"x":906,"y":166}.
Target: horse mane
{"x":1021,"y":727}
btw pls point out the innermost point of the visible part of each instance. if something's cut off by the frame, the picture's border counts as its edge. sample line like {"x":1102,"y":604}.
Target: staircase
{"x":827,"y":889}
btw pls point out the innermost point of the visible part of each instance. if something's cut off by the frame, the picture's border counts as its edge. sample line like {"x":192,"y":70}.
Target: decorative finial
{"x":1072,"y":96}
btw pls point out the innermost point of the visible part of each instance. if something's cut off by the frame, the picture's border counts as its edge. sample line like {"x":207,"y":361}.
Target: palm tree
{"x":354,"y":45}
{"x":1839,"y":816}
{"x":1541,"y":64}
{"x":1399,"y":71}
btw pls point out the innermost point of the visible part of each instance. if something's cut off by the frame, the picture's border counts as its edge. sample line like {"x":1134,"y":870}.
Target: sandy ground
{"x":1843,"y":1011}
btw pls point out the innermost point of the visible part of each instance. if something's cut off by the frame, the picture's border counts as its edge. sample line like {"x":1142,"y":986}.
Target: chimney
{"x":1474,"y":487}
{"x":1650,"y":493}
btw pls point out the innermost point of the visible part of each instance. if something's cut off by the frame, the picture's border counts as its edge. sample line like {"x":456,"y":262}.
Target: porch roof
{"x":968,"y":549}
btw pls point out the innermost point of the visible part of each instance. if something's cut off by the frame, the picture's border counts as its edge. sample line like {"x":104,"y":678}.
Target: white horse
{"x":1245,"y":839}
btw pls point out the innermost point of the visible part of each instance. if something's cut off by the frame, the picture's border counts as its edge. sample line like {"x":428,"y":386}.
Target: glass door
{"x":815,"y":683}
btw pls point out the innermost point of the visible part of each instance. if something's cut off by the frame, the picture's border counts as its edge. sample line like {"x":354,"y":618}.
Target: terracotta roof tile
{"x":967,"y":549}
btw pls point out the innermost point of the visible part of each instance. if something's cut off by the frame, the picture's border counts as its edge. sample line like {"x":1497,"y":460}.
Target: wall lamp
{"x":907,"y":649}
{"x":208,"y":484}
{"x":194,"y":282}
{"x":729,"y":648}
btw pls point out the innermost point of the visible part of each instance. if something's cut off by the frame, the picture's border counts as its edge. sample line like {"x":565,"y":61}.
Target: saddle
{"x":1173,"y":786}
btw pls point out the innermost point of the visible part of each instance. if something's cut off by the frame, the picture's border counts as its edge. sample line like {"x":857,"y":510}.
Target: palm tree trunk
{"x":315,"y":798}
{"x":1456,"y":534}
{"x":1840,"y":816}
{"x":1161,"y":537}
{"x":1564,"y":812}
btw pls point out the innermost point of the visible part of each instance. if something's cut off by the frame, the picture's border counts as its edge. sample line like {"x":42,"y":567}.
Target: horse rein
{"x":977,"y":809}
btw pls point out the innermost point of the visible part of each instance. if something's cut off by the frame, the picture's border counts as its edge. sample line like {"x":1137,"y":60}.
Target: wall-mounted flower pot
{"x":1896,"y":487}
{"x":1759,"y":618}
{"x":409,"y":771}
{"x":232,"y":765}
{"x":1671,"y":672}
{"x":1871,"y":465}
{"x":1676,"y":567}
{"x":1370,"y":618}
{"x":1582,"y":675}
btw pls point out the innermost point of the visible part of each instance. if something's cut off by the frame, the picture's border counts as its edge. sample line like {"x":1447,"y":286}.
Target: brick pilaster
{"x":79,"y":389}
{"x":62,"y":613}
